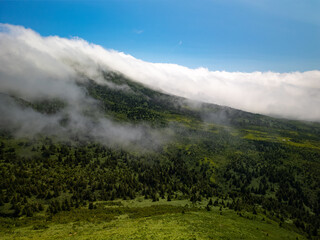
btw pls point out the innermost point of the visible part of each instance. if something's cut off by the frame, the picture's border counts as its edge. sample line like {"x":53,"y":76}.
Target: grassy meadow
{"x":144,"y":219}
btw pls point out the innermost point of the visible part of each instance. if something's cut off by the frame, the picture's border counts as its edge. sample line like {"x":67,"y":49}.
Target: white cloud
{"x":138,"y":31}
{"x":26,"y":57}
{"x":33,"y":68}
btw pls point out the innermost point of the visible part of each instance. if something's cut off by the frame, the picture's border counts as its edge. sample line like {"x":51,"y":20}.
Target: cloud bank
{"x":32,"y":65}
{"x":34,"y":69}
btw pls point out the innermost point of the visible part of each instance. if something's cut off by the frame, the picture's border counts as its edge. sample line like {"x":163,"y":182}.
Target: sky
{"x":234,"y":35}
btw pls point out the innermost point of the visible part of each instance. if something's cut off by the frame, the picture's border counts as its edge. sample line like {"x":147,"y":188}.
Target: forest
{"x":215,"y":158}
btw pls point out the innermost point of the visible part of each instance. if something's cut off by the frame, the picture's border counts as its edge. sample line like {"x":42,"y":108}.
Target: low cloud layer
{"x":33,"y":66}
{"x":34,"y":69}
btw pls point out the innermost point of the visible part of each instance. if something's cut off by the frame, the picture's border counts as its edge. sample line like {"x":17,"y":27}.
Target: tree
{"x":254,"y":211}
{"x":208,"y":207}
{"x":169,"y":198}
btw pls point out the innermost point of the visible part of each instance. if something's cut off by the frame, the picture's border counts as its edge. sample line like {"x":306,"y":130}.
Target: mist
{"x":49,"y":72}
{"x":34,"y":67}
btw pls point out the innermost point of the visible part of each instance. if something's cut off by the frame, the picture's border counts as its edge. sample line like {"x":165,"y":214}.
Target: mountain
{"x":123,"y":158}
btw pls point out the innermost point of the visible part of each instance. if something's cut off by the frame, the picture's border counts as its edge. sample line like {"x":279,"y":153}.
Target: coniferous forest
{"x":201,"y":159}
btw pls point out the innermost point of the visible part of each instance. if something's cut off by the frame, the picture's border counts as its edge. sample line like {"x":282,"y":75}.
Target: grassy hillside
{"x":144,"y":219}
{"x":221,"y":174}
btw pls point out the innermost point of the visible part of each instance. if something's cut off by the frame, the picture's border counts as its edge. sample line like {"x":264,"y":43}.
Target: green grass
{"x":273,"y":137}
{"x":143,"y":219}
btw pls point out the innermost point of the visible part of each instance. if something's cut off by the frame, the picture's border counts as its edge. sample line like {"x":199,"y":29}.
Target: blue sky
{"x":234,"y":35}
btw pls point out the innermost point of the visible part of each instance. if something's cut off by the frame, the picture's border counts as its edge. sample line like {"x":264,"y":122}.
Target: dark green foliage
{"x":91,"y":205}
{"x":208,"y":208}
{"x":208,"y":157}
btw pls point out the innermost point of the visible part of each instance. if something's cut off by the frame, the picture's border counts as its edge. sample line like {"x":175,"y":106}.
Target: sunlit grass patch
{"x":200,"y":224}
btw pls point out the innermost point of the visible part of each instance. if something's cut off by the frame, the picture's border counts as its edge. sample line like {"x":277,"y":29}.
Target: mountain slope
{"x":187,"y":151}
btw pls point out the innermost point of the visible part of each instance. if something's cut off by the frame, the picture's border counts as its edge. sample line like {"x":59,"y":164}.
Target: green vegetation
{"x":223,"y":174}
{"x":144,"y":219}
